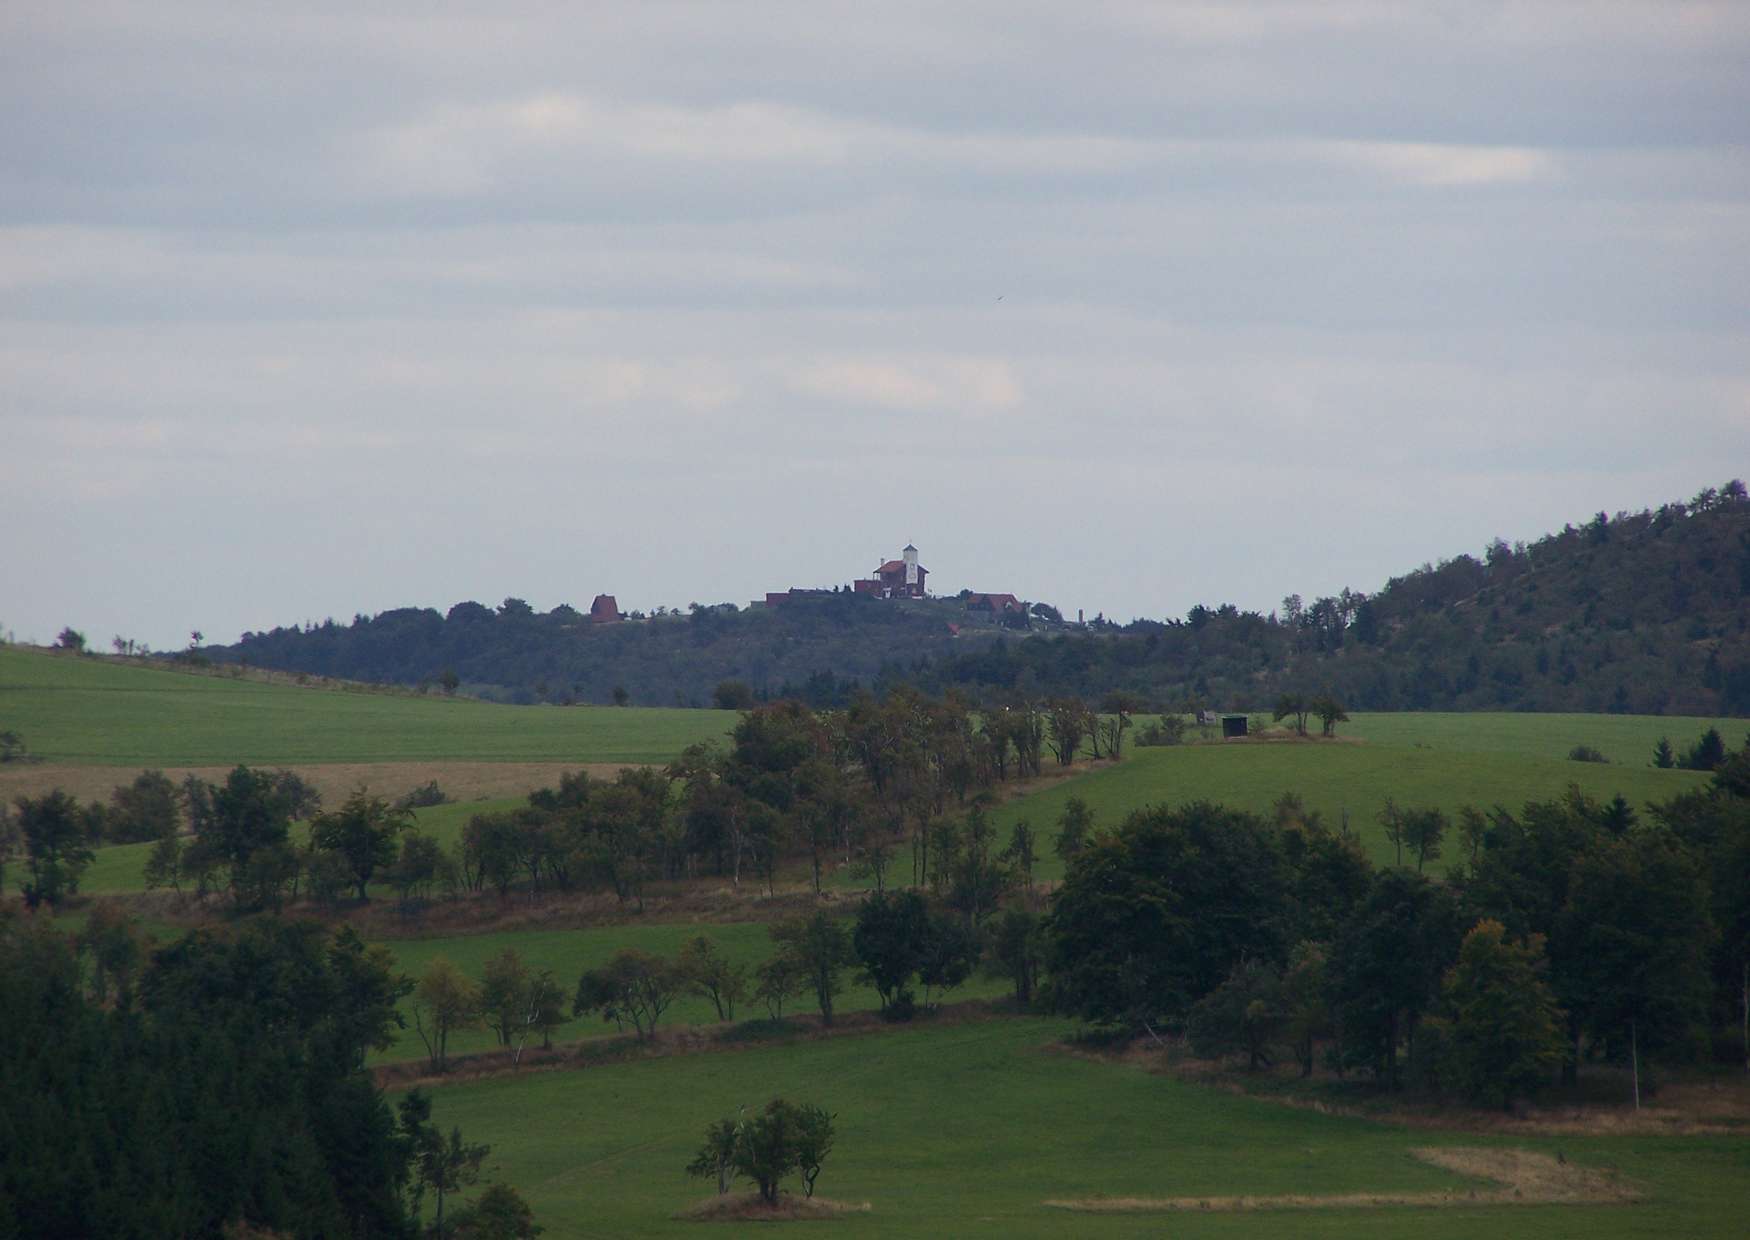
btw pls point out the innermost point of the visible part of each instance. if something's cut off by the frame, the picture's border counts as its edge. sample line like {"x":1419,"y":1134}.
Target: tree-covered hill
{"x":1646,"y":613}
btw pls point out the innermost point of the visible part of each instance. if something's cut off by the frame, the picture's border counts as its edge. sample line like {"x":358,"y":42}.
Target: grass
{"x":1627,"y":740}
{"x":1418,"y":760}
{"x":89,"y":711}
{"x":1446,"y":760}
{"x":119,"y":869}
{"x":969,"y":1129}
{"x":569,"y":952}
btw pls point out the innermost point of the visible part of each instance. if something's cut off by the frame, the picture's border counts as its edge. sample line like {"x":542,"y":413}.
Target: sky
{"x":312,"y":310}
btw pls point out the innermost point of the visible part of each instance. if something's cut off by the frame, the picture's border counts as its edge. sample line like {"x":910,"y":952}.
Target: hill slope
{"x":85,"y":710}
{"x":1646,"y":613}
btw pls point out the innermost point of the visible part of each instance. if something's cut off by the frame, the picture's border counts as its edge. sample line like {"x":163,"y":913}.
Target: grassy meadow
{"x":1356,"y":778}
{"x":966,"y":1129}
{"x":945,"y":1128}
{"x":569,"y":952}
{"x":121,"y":868}
{"x":90,"y":711}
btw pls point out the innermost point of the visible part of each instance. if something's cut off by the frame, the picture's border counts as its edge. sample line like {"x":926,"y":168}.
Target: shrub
{"x":732,"y":695}
{"x":422,"y":797}
{"x":1169,"y":731}
{"x":1585,"y":753}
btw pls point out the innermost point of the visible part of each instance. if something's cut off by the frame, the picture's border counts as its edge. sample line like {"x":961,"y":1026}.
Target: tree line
{"x":215,"y":1086}
{"x":1568,"y":932}
{"x":1630,"y":613}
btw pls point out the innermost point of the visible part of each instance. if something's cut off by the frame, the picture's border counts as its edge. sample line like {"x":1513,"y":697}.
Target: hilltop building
{"x":996,"y":604}
{"x":605,"y":610}
{"x":901,"y":578}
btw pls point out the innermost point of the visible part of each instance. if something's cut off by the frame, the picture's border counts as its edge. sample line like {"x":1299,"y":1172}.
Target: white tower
{"x":911,"y":565}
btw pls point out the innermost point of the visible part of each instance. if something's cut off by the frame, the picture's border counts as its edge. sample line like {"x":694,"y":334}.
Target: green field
{"x":121,"y":868}
{"x":960,"y":1130}
{"x":1357,"y":778}
{"x":95,"y":712}
{"x":1627,"y":740}
{"x":569,"y":952}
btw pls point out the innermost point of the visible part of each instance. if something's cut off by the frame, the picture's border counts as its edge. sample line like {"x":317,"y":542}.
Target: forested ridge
{"x":1644,"y":613}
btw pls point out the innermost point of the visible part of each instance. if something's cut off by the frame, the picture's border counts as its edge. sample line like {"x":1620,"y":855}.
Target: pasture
{"x":968,"y":1129}
{"x":1354,"y":778}
{"x":93,"y":712}
{"x":120,"y":869}
{"x":569,"y":952}
{"x":1627,"y":740}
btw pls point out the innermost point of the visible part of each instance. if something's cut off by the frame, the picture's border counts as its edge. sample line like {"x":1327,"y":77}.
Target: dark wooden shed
{"x":1232,"y":725}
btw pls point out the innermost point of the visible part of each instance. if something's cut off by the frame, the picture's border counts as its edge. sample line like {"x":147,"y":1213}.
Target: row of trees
{"x":1570,"y":931}
{"x":873,"y":786}
{"x":898,"y":941}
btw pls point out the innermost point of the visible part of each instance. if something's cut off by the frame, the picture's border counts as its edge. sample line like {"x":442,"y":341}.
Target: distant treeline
{"x":1644,"y":613}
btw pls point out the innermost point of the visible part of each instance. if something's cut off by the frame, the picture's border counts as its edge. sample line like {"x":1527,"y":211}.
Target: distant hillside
{"x":1644,"y":613}
{"x":824,"y":647}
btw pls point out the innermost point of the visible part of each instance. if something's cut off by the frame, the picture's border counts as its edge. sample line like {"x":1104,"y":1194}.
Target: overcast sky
{"x":315,"y":309}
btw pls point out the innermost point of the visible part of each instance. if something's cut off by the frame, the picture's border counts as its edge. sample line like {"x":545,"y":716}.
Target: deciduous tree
{"x":634,"y":986}
{"x":443,"y":1002}
{"x":362,"y":832}
{"x":1152,"y":917}
{"x":821,"y":949}
{"x":56,"y":851}
{"x":1632,"y":943}
{"x":1500,"y":1030}
{"x":708,"y":973}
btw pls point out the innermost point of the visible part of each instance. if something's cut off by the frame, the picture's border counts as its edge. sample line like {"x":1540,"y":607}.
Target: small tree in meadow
{"x":1073,"y":828}
{"x":1423,"y":831}
{"x":821,"y":948}
{"x":443,"y":1002}
{"x":1330,"y":712}
{"x":634,"y":986}
{"x":440,"y":1165}
{"x":777,"y":981}
{"x":708,"y":973}
{"x":55,"y":846}
{"x":363,"y":832}
{"x":782,"y":1140}
{"x":1295,"y":704}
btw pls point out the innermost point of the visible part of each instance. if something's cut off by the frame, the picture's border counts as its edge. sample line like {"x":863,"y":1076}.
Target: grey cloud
{"x":341,"y":310}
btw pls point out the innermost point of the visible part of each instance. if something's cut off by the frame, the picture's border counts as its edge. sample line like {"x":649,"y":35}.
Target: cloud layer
{"x":1126,"y":306}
